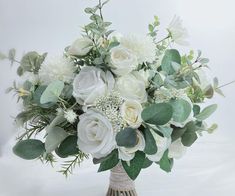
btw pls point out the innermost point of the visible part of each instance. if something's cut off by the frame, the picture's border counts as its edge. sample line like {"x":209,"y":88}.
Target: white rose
{"x":122,"y":61}
{"x":90,"y":84}
{"x":81,"y":47}
{"x":131,"y":113}
{"x":130,"y":87}
{"x":177,"y":149}
{"x":127,"y":154}
{"x":95,"y":134}
{"x":162,"y":145}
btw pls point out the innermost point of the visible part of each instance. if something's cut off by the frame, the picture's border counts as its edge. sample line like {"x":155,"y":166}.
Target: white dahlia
{"x":142,"y":46}
{"x":177,"y":32}
{"x":57,"y":68}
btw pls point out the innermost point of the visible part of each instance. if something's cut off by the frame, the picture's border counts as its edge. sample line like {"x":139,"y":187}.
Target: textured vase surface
{"x":120,"y":183}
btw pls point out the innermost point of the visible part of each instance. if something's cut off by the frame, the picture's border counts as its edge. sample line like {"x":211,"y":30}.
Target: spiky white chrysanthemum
{"x":57,"y":68}
{"x":142,"y":46}
{"x":70,"y":116}
{"x":177,"y":32}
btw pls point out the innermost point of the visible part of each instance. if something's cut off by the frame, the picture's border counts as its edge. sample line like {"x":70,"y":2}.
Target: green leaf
{"x":189,"y":136}
{"x":206,"y":112}
{"x":147,"y":163}
{"x":181,"y":110}
{"x":37,"y":96}
{"x":68,"y":147}
{"x":32,"y":61}
{"x":170,"y":56}
{"x":196,"y":109}
{"x":177,"y":133}
{"x":158,"y":114}
{"x":55,"y":136}
{"x":110,"y":162}
{"x":150,"y":143}
{"x":29,"y":149}
{"x":133,"y":169}
{"x":127,"y":137}
{"x":165,"y":130}
{"x":89,"y":10}
{"x":52,"y":92}
{"x":166,"y":163}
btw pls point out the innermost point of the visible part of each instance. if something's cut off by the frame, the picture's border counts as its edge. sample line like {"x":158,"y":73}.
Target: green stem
{"x":225,"y":84}
{"x":163,"y":39}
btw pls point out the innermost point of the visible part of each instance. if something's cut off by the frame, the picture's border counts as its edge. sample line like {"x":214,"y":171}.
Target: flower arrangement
{"x":132,"y":100}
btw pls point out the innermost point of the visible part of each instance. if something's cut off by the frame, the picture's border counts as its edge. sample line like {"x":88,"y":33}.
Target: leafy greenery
{"x":68,"y":147}
{"x":171,"y":56}
{"x":52,"y":92}
{"x":181,"y":110}
{"x":190,"y":135}
{"x":158,"y":114}
{"x":127,"y":137}
{"x":55,"y":136}
{"x":150,"y":143}
{"x":68,"y":166}
{"x":134,"y":167}
{"x":31,"y":62}
{"x":110,"y":161}
{"x":166,"y":163}
{"x":206,"y":112}
{"x":147,"y":163}
{"x":29,"y":149}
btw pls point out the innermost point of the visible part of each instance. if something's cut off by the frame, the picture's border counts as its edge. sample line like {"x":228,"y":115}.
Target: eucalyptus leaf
{"x":170,"y":56}
{"x":158,"y":114}
{"x":54,"y":138}
{"x":150,"y":143}
{"x":29,"y":149}
{"x":37,"y":96}
{"x":133,"y":169}
{"x":32,"y":61}
{"x":68,"y":147}
{"x":165,"y":130}
{"x":206,"y":112}
{"x":190,"y":135}
{"x":110,"y":162}
{"x":127,"y":137}
{"x":181,"y":110}
{"x":52,"y":92}
{"x":147,"y":163}
{"x":177,"y":133}
{"x":166,"y":163}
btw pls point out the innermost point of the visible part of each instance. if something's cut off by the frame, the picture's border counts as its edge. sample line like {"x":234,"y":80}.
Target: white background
{"x":50,"y":25}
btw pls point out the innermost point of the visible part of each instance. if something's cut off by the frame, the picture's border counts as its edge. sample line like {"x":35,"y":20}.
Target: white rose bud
{"x":131,"y":113}
{"x":132,"y":88}
{"x":162,"y":144}
{"x":95,"y":134}
{"x":127,"y":154}
{"x":122,"y":61}
{"x":177,"y":149}
{"x":81,"y":47}
{"x":92,"y":83}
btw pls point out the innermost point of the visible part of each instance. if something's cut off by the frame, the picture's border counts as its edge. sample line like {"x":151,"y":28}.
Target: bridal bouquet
{"x":131,"y":99}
